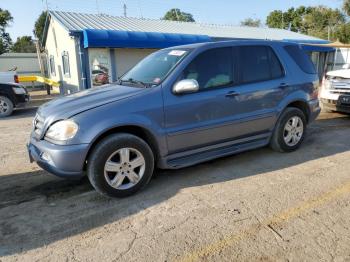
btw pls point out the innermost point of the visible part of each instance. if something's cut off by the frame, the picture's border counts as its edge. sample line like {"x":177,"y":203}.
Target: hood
{"x":343,"y":73}
{"x":68,"y":106}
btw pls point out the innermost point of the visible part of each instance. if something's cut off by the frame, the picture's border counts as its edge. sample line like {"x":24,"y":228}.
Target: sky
{"x":25,"y":12}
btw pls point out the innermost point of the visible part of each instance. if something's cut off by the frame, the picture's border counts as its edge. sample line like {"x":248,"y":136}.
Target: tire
{"x":117,"y":179}
{"x":280,"y":134}
{"x":6,"y":106}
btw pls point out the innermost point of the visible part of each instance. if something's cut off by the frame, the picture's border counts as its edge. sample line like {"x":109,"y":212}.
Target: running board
{"x":193,"y":159}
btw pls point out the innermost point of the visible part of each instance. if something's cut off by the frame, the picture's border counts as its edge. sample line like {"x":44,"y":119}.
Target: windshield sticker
{"x":177,"y":52}
{"x":156,"y":80}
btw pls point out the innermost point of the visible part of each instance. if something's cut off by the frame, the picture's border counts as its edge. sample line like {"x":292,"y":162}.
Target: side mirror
{"x":186,"y":86}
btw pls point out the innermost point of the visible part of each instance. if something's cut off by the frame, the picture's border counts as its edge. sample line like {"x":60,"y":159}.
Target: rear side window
{"x":300,"y":58}
{"x":212,"y":69}
{"x":259,"y":63}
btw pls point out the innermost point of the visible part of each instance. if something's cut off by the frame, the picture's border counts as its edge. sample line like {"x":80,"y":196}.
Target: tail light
{"x":15,"y":78}
{"x":314,"y":94}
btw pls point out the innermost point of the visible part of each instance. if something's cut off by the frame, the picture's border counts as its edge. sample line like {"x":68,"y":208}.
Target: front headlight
{"x":19,"y":90}
{"x":62,"y":130}
{"x":327,"y":84}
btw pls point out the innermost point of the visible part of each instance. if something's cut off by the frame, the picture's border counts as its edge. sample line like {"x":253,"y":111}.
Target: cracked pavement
{"x":258,"y":205}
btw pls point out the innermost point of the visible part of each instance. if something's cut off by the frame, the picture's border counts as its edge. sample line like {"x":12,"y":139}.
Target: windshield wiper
{"x":133,"y":81}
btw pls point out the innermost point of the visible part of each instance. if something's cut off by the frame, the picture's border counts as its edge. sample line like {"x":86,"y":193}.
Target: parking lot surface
{"x":259,"y":205}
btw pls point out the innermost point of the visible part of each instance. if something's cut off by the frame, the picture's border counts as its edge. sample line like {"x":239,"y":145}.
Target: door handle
{"x":232,"y":94}
{"x":283,"y":85}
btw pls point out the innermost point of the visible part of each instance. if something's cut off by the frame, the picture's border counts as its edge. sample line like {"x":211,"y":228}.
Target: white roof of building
{"x":79,"y":21}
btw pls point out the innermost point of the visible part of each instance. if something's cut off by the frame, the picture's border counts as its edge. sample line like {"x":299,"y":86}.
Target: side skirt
{"x":196,"y":156}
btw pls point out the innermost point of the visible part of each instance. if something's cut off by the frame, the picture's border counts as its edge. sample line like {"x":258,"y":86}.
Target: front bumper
{"x":65,"y":161}
{"x":335,"y":105}
{"x":22,"y":100}
{"x":314,"y":109}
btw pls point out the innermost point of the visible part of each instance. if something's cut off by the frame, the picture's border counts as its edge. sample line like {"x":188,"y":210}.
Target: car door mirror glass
{"x":186,"y":86}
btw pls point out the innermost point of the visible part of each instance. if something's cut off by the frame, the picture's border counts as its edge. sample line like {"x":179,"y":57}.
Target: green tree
{"x":343,"y":33}
{"x":323,"y":22}
{"x":346,"y":7}
{"x":176,"y":14}
{"x":292,"y":19}
{"x":318,"y":21}
{"x":24,"y":44}
{"x":5,"y":39}
{"x":251,"y":22}
{"x":39,"y":26}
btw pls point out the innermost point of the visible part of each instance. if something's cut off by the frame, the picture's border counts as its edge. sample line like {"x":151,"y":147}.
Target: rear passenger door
{"x":262,"y":84}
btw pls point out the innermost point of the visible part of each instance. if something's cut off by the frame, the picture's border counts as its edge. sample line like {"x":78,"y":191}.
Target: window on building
{"x":65,"y":63}
{"x":52,"y":65}
{"x":212,"y":69}
{"x":259,"y":63}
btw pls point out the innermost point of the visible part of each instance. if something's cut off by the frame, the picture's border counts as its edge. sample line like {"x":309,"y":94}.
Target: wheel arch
{"x":303,"y":106}
{"x":135,"y":130}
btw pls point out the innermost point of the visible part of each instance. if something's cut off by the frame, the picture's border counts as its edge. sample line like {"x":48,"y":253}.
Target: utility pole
{"x":177,"y":15}
{"x":282,"y":21}
{"x":98,"y":10}
{"x":124,"y":7}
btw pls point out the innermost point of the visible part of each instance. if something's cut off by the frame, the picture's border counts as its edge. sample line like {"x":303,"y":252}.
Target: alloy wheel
{"x":124,"y":168}
{"x":293,"y":131}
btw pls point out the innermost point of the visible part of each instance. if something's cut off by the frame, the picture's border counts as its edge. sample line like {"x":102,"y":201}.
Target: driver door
{"x":203,"y":118}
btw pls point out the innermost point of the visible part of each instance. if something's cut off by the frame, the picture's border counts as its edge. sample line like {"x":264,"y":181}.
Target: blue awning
{"x":313,"y":45}
{"x":128,"y":39}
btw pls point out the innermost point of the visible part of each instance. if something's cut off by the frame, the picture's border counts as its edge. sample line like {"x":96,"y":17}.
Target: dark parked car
{"x":12,"y":96}
{"x":179,"y":107}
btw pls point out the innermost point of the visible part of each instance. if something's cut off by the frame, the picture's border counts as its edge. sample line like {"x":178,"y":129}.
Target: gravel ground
{"x":259,"y":205}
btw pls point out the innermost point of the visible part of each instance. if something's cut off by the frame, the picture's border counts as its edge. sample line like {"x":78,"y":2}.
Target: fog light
{"x":45,"y":156}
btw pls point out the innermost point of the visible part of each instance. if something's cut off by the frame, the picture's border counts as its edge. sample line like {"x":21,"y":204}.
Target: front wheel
{"x":6,"y":106}
{"x":120,"y":165}
{"x":290,"y":130}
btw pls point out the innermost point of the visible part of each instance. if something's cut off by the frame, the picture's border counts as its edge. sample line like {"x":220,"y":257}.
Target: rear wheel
{"x":120,"y":165}
{"x":6,"y":106}
{"x":290,"y":130}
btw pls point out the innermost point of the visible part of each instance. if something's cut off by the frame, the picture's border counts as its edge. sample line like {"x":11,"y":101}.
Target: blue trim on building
{"x":123,"y":39}
{"x":84,"y":59}
{"x":113,"y":65}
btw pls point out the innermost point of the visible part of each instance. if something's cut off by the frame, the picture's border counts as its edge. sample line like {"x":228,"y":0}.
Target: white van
{"x":335,"y":90}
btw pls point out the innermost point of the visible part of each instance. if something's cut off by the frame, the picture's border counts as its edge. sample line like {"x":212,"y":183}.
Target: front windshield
{"x":154,"y":68}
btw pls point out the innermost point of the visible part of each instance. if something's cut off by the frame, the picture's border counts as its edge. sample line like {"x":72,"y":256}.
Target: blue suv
{"x":179,"y":107}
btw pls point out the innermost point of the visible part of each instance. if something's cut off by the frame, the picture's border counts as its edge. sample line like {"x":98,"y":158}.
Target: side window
{"x":259,"y":63}
{"x":52,"y":65}
{"x":275,"y":65}
{"x":212,"y":69}
{"x":301,"y":59}
{"x":65,"y":63}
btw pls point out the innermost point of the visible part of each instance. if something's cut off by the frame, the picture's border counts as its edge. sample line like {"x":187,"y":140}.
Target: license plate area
{"x":344,"y":100}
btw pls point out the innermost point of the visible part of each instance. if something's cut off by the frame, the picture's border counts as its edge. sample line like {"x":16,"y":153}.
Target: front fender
{"x":145,"y":112}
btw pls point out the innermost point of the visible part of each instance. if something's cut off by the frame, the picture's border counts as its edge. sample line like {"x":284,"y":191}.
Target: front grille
{"x":38,"y":125}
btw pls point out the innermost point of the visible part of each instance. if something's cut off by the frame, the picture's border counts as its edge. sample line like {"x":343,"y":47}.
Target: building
{"x":84,"y":50}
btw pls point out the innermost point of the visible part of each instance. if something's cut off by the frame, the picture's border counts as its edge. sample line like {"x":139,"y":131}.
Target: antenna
{"x":46,"y":4}
{"x":124,"y":7}
{"x":98,"y":11}
{"x":140,"y":10}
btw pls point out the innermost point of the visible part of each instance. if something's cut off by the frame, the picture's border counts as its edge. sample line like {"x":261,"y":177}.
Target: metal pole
{"x":124,"y":7}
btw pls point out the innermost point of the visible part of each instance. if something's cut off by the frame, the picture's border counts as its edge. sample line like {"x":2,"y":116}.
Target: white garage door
{"x":126,"y":58}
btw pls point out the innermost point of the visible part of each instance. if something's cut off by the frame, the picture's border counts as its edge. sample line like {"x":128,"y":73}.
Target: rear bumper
{"x":314,"y":109}
{"x":64,"y":161}
{"x":334,"y":105}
